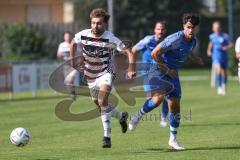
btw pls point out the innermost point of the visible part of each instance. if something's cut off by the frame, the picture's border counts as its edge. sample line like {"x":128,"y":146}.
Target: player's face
{"x":98,"y":26}
{"x":159,"y":30}
{"x":67,"y":37}
{"x":189,"y":30}
{"x":216,"y":28}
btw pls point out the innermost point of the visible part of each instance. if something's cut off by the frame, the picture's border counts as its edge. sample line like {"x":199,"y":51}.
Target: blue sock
{"x":164,"y":109}
{"x":224,"y":78}
{"x":219,"y":80}
{"x":174,"y":120}
{"x":148,"y":106}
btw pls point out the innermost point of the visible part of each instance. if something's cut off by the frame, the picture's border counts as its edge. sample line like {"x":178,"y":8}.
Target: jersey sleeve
{"x":227,"y":38}
{"x":169,"y":42}
{"x":195,"y":47}
{"x":119,"y":44}
{"x":237,"y":45}
{"x":59,"y":48}
{"x":78,"y":36}
{"x":142,"y":43}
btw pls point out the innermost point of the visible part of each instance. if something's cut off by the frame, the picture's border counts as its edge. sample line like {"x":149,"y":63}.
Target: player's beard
{"x":160,"y":36}
{"x":97,"y":32}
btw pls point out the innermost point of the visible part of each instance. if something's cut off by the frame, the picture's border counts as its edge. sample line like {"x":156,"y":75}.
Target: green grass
{"x":211,"y":134}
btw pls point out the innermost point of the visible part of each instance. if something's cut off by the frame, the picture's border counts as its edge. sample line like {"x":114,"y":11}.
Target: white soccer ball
{"x":19,"y":137}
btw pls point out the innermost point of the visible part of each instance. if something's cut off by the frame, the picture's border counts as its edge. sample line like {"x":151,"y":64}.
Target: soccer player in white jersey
{"x":237,"y":50}
{"x":63,"y":53}
{"x":98,"y":46}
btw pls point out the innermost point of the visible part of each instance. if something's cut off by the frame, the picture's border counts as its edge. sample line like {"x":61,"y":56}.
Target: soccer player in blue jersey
{"x":217,"y":48}
{"x":168,"y":56}
{"x":145,"y":46}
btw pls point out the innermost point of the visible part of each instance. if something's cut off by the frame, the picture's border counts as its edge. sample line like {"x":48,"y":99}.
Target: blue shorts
{"x":156,"y":80}
{"x":222,"y":61}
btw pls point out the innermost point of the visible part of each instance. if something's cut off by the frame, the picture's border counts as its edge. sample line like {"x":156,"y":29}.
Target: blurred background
{"x":31,"y":30}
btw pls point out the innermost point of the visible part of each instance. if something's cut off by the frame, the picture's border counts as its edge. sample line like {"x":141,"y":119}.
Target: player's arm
{"x":73,"y":47}
{"x":60,"y":54}
{"x":209,"y":49}
{"x":195,"y":57}
{"x":237,"y":48}
{"x":131,"y":59}
{"x":156,"y":54}
{"x":238,"y":55}
{"x":134,"y":51}
{"x":227,"y":47}
{"x":140,"y":45}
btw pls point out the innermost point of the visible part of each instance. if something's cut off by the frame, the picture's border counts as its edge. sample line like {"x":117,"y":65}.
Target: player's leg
{"x":70,"y":83}
{"x":158,"y":86}
{"x":173,"y":99}
{"x":218,"y":77}
{"x":148,"y":106}
{"x":224,"y":73}
{"x":239,"y":71}
{"x":224,"y":80}
{"x":108,"y":110}
{"x":213,"y":76}
{"x":163,"y":120}
{"x":105,"y":114}
{"x":174,"y":121}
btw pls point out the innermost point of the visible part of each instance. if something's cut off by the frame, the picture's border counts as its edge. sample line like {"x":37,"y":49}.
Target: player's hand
{"x":209,"y":53}
{"x":225,"y":48}
{"x":198,"y":60}
{"x":172,"y":73}
{"x":131,"y":74}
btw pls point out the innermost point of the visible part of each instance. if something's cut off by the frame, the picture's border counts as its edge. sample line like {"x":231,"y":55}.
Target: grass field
{"x":212,"y":132}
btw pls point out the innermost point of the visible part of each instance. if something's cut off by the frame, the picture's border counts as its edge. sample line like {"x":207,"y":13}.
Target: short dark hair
{"x":190,"y":17}
{"x":100,"y":12}
{"x":217,"y":22}
{"x":161,"y":22}
{"x":67,"y":32}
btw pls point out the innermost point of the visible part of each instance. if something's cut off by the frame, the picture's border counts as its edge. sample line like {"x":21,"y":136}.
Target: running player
{"x":237,"y":50}
{"x":217,"y":48}
{"x":98,"y":46}
{"x":63,"y":53}
{"x":168,"y":56}
{"x":146,"y":45}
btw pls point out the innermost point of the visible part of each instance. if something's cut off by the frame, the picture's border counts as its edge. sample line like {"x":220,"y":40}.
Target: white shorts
{"x":95,"y":85}
{"x":74,"y":75}
{"x":239,"y":70}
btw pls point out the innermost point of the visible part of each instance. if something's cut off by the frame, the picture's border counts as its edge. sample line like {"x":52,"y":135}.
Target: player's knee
{"x":101,"y":102}
{"x":69,"y":81}
{"x":96,"y":102}
{"x":157,"y":99}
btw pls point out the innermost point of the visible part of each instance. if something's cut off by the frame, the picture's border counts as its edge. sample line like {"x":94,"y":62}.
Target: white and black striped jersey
{"x":64,"y":50}
{"x":97,"y":52}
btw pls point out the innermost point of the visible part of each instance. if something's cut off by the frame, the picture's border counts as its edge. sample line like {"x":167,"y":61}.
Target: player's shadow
{"x":161,"y":150}
{"x":211,"y":124}
{"x":47,"y":159}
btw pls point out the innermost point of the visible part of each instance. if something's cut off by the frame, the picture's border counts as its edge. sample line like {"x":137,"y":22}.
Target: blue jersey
{"x":146,"y":45}
{"x":176,"y":50}
{"x":218,"y":42}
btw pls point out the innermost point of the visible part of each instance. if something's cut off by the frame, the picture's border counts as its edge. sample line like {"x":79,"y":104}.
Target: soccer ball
{"x":20,"y":137}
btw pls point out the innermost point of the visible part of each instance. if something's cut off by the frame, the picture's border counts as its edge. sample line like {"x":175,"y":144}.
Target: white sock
{"x":106,"y":121}
{"x":114,"y":112}
{"x":173,"y":133}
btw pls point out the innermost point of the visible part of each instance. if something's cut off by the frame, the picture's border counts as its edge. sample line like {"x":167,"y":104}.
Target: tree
{"x":21,"y":43}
